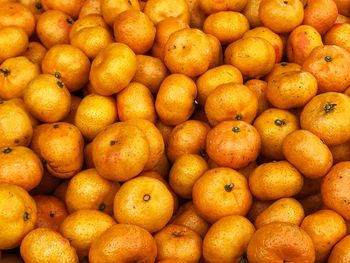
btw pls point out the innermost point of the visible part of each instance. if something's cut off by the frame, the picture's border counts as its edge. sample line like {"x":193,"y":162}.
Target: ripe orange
{"x":115,"y":243}
{"x":13,"y":42}
{"x":101,"y":192}
{"x":221,"y":192}
{"x":340,"y":252}
{"x":330,"y":65}
{"x":135,"y":29}
{"x":227,"y":239}
{"x":280,"y":242}
{"x":151,"y":201}
{"x":281,"y":16}
{"x":178,"y":242}
{"x":233,"y":144}
{"x":231,"y":101}
{"x":253,"y":56}
{"x":274,"y":180}
{"x":187,"y":51}
{"x":326,"y":228}
{"x":112,"y":69}
{"x":286,"y":210}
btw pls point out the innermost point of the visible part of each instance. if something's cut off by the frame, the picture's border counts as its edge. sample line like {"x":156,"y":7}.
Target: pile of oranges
{"x":175,"y":131}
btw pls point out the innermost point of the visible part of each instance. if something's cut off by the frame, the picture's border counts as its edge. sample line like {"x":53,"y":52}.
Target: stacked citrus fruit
{"x":175,"y":131}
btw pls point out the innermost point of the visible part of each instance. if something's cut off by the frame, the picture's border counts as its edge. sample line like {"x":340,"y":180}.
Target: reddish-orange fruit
{"x":335,"y":189}
{"x":233,"y":144}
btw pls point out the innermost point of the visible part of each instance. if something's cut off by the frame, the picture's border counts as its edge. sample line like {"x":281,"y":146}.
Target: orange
{"x":233,"y":144}
{"x":231,"y":101}
{"x":227,"y":239}
{"x":18,"y":216}
{"x":340,"y":152}
{"x":71,"y":8}
{"x":274,"y":180}
{"x":320,"y":14}
{"x":253,"y":56}
{"x":53,"y":28}
{"x":91,"y":40}
{"x":187,"y":138}
{"x":338,"y":35}
{"x":135,"y":29}
{"x":334,"y":189}
{"x":326,"y":116}
{"x":259,"y":88}
{"x":56,"y":247}
{"x":281,"y":16}
{"x":83,"y":227}
{"x":214,"y":77}
{"x":329,"y":64}
{"x":16,"y":14}
{"x":214,"y":6}
{"x":90,"y":7}
{"x":20,"y":166}
{"x":221,"y":192}
{"x":175,"y":99}
{"x":101,"y":192}
{"x":326,"y":228}
{"x":273,"y":126}
{"x":115,"y":243}
{"x":60,"y":147}
{"x":15,"y":125}
{"x":47,"y":98}
{"x":187,"y":51}
{"x":111,"y":9}
{"x":274,"y":39}
{"x":291,"y":89}
{"x":136,"y":102}
{"x":340,"y":252}
{"x":301,"y":41}
{"x":278,"y":242}
{"x":120,"y":151}
{"x":163,"y":31}
{"x":151,"y":200}
{"x":15,"y":74}
{"x":20,"y":103}
{"x":34,"y":6}
{"x":150,"y":72}
{"x":251,"y":12}
{"x":185,"y":172}
{"x":158,"y":10}
{"x":51,"y":211}
{"x":227,"y":26}
{"x":35,"y":52}
{"x":286,"y":210}
{"x":13,"y":42}
{"x":94,"y":113}
{"x":307,"y":153}
{"x":154,"y":138}
{"x":69,"y":64}
{"x":178,"y":242}
{"x":187,"y":216}
{"x":112,"y":69}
